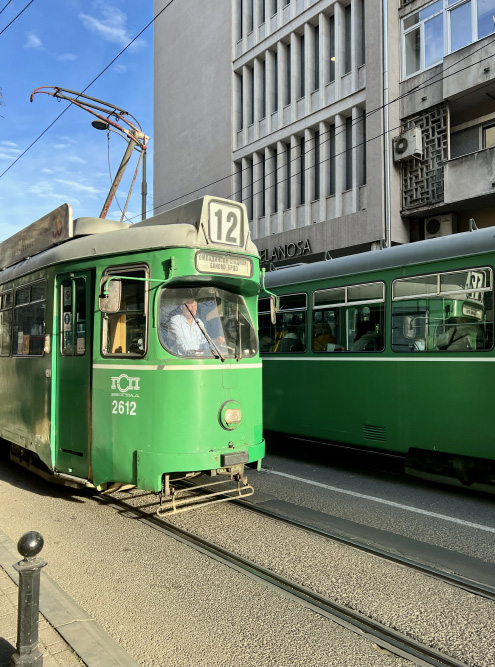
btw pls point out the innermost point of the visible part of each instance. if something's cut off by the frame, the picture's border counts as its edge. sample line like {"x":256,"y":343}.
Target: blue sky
{"x":67,"y":43}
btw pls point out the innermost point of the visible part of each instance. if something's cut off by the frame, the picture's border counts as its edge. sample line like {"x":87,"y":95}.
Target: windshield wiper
{"x":238,"y":354}
{"x":211,"y":342}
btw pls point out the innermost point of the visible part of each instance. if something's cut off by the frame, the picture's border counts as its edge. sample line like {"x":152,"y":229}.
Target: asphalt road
{"x":164,"y":602}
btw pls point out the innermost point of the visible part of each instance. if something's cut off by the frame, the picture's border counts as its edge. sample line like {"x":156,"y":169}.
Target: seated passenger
{"x":461,"y":334}
{"x":290,"y":342}
{"x":322,"y":336}
{"x":367,"y":338}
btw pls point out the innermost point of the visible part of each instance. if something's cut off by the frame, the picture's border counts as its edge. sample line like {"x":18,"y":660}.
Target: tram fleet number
{"x":124,"y":408}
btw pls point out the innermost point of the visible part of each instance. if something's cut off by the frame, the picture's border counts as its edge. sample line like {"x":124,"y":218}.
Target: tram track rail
{"x":386,"y":638}
{"x":474,"y":587}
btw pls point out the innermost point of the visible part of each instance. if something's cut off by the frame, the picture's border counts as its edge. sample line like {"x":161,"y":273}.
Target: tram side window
{"x":288,"y":334}
{"x":124,"y":332}
{"x":450,"y":311}
{"x":29,"y":319}
{"x":5,"y":323}
{"x":349,"y":319}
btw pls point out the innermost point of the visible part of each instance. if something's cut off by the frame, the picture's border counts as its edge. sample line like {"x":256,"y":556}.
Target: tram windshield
{"x":205,"y":321}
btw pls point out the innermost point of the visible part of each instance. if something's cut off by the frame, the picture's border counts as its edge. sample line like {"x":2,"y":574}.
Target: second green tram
{"x":128,"y":353}
{"x":392,"y":351}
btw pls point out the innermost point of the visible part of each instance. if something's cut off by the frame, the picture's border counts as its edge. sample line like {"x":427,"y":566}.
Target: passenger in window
{"x":367,"y":338}
{"x":461,"y":334}
{"x":322,"y":336}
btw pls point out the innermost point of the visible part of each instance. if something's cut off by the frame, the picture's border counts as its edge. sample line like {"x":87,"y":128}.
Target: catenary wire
{"x":366,"y":115}
{"x":88,"y":86}
{"x":15,"y":17}
{"x":5,"y":7}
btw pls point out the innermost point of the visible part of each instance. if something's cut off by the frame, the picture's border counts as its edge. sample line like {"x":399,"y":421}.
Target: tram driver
{"x":186,"y":329}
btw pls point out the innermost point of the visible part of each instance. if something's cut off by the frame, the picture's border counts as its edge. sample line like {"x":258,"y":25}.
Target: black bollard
{"x":28,"y":653}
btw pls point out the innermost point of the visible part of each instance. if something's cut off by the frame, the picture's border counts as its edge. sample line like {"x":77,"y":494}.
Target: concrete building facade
{"x":337,"y":140}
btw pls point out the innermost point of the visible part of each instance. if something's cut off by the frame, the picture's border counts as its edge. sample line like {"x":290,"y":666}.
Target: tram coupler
{"x":181,"y":501}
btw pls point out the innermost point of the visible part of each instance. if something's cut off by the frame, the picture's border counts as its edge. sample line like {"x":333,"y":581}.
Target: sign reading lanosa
{"x":285,"y":251}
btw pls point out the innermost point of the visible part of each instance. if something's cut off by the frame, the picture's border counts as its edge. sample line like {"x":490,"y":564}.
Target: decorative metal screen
{"x":423,"y":180}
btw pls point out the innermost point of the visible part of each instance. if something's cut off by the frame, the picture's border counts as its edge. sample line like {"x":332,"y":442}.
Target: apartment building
{"x":337,"y":139}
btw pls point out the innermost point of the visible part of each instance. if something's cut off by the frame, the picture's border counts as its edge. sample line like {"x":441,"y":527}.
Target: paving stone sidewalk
{"x":56,"y":652}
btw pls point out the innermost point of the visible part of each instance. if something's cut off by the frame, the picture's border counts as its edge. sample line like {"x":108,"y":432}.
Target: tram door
{"x":73,"y":369}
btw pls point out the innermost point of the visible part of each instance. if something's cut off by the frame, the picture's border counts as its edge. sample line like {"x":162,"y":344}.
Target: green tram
{"x":128,"y":353}
{"x":391,"y":351}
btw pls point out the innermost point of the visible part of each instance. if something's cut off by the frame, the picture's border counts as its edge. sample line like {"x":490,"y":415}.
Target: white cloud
{"x":33,"y":41}
{"x":66,"y":57}
{"x":10,"y":144}
{"x":79,"y":187}
{"x":76,"y":159}
{"x":120,"y":69}
{"x":111,"y":27}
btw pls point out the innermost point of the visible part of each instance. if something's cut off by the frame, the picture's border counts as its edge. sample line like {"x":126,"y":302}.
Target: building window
{"x":363,"y":150}
{"x":302,"y":168}
{"x":241,"y":101}
{"x":274,"y":7}
{"x":331,"y":184}
{"x":288,"y":92}
{"x":489,"y":136}
{"x":251,"y":106}
{"x":362,"y":54}
{"x":441,"y":28}
{"x":317,"y":165}
{"x":240,"y":21}
{"x":263,"y":184}
{"x":348,"y":153}
{"x":250,"y":15}
{"x":317,"y":58}
{"x":347,"y":40}
{"x":331,"y":48}
{"x":288,"y":176}
{"x":262,"y":12}
{"x":302,"y":66}
{"x":275,"y":102}
{"x":263,"y":89}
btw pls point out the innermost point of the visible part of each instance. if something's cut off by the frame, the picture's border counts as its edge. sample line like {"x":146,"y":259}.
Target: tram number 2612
{"x":124,"y":408}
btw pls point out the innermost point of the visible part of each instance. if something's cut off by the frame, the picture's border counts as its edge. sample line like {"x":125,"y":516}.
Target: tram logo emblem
{"x":124,"y":383}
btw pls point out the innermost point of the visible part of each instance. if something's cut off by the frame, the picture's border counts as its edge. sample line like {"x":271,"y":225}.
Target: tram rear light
{"x":46,"y":346}
{"x":233,"y":416}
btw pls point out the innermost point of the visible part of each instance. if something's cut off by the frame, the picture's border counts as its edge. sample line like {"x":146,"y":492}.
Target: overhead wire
{"x":88,"y":86}
{"x":5,"y":7}
{"x":15,"y":17}
{"x":361,"y":119}
{"x":430,"y":81}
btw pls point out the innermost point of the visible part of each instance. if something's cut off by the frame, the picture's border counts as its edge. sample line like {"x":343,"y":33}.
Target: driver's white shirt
{"x":188,"y":336}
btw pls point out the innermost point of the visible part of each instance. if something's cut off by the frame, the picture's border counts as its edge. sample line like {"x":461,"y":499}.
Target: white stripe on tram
{"x":386,"y":502}
{"x":136,"y":367}
{"x":382,"y":359}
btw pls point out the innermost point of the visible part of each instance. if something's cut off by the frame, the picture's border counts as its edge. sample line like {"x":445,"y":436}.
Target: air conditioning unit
{"x":440,"y":225}
{"x":408,"y":144}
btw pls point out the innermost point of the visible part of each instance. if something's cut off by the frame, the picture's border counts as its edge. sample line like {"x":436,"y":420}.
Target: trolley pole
{"x":28,"y":653}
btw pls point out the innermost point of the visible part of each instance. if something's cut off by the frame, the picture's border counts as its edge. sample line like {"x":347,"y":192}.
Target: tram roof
{"x":456,"y":245}
{"x":183,"y":226}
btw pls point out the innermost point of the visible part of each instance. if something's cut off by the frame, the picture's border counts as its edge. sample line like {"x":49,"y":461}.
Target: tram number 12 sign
{"x":226,"y":224}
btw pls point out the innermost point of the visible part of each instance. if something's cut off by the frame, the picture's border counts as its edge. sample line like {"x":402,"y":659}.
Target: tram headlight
{"x":230,"y":415}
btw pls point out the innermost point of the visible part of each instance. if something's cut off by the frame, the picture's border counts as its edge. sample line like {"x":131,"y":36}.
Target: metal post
{"x":144,"y":187}
{"x":28,"y":654}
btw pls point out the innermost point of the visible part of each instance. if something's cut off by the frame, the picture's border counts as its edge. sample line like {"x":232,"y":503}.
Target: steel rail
{"x":474,"y":587}
{"x":393,"y":641}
